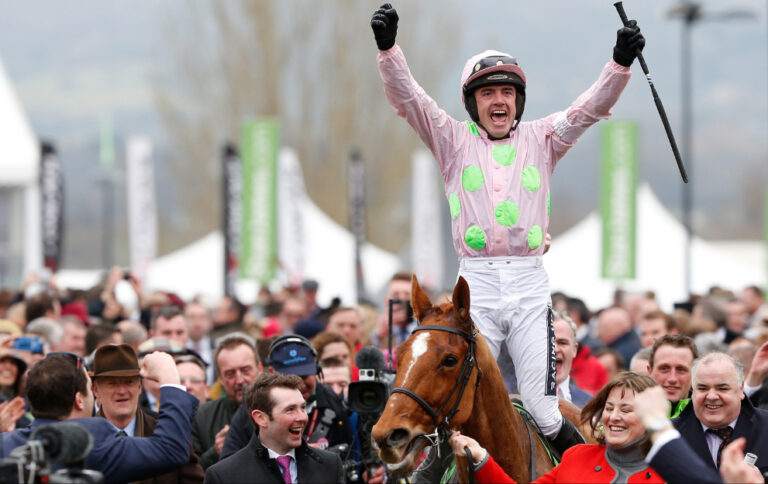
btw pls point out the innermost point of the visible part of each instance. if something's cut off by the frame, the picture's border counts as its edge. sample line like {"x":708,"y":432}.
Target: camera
{"x":368,"y":397}
{"x":52,"y":446}
{"x":28,"y":343}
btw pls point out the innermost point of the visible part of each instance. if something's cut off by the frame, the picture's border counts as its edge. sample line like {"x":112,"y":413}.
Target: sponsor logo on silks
{"x":551,"y":389}
{"x":295,"y":360}
{"x":292,"y":353}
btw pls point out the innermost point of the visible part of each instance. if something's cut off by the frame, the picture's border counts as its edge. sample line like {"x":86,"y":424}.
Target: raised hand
{"x":629,"y":41}
{"x":384,"y":25}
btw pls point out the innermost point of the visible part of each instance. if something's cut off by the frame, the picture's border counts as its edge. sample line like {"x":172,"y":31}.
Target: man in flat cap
{"x":117,"y":385}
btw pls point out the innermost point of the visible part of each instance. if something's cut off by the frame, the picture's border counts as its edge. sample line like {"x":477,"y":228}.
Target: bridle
{"x":442,"y":432}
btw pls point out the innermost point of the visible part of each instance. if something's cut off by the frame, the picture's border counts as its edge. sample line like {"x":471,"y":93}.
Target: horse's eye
{"x":450,"y":361}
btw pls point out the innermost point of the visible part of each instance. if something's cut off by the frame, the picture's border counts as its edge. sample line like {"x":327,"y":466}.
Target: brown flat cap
{"x":115,"y":360}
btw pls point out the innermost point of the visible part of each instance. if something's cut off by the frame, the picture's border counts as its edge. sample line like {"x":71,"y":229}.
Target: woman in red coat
{"x":618,"y":456}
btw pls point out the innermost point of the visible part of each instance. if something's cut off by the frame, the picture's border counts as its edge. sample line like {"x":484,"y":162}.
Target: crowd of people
{"x":207,"y":396}
{"x":175,"y":390}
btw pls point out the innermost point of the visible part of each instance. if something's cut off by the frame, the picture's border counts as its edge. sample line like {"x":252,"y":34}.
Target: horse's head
{"x":435,"y":365}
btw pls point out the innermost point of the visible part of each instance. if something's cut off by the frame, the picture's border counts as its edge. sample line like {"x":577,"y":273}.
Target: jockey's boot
{"x":568,"y":436}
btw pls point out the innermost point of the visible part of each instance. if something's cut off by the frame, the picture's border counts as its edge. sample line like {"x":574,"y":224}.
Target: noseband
{"x":441,"y":427}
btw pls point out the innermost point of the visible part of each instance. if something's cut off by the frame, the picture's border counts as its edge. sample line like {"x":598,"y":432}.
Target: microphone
{"x":370,"y":358}
{"x":64,"y":443}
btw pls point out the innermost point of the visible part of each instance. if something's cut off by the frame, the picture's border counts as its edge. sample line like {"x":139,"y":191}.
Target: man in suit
{"x":669,"y":450}
{"x":59,"y":388}
{"x":117,"y":385}
{"x":278,"y":454}
{"x":565,"y":350}
{"x":329,"y":419}
{"x":669,"y":364}
{"x":719,"y":413}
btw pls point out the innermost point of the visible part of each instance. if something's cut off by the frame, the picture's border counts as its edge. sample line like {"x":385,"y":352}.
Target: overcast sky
{"x":74,"y":62}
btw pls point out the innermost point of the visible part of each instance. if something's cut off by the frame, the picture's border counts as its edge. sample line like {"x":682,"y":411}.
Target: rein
{"x":441,"y":432}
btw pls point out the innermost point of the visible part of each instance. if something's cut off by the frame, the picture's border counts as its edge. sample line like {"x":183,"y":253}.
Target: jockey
{"x":497,"y":181}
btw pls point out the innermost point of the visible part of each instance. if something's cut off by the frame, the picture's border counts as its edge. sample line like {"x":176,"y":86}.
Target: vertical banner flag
{"x":356,"y":194}
{"x":426,"y":221}
{"x":291,"y":196}
{"x":260,"y":140}
{"x":232,"y":203}
{"x":618,"y":183}
{"x":142,"y":209}
{"x":52,"y":194}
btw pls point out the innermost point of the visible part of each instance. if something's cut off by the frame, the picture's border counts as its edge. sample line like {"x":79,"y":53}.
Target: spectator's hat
{"x":115,"y":360}
{"x":21,"y":365}
{"x":9,"y":327}
{"x":293,"y":355}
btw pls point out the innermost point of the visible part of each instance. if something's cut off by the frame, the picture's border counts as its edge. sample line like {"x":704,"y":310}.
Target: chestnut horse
{"x":447,"y":378}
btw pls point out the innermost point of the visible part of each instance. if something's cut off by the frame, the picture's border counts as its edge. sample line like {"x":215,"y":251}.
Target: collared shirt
{"x":564,"y":390}
{"x":713,"y":441}
{"x":294,"y":470}
{"x":129,"y":429}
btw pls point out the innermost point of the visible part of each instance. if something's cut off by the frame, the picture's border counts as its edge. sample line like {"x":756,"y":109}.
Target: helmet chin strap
{"x":514,"y":127}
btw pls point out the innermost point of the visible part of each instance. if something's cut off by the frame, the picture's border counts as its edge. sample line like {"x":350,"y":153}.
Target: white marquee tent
{"x":573,"y":262}
{"x":329,"y":258}
{"x":20,"y":246}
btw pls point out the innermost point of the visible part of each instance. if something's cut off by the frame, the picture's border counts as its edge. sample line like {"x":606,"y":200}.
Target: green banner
{"x":259,"y":148}
{"x":618,"y":183}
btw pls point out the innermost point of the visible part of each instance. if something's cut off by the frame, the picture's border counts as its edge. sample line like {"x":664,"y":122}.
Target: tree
{"x":313,"y":66}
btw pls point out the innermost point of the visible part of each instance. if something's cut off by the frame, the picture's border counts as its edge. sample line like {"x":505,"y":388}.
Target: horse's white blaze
{"x":418,"y":348}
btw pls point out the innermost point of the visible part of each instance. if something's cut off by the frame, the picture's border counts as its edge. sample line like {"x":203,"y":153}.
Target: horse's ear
{"x":461,"y":300}
{"x":419,"y":299}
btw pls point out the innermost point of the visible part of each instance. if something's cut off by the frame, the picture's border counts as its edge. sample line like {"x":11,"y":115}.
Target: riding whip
{"x":656,"y":99}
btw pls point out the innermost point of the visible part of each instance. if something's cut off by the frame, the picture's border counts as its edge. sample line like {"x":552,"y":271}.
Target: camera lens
{"x":369,"y":399}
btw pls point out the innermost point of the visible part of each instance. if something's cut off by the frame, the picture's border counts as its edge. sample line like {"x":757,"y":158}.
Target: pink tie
{"x":285,"y":464}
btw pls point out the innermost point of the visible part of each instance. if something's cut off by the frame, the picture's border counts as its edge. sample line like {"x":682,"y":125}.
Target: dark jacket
{"x":578,"y":396}
{"x":189,"y":473}
{"x":123,"y":459}
{"x":340,"y":432}
{"x":627,"y":344}
{"x":253,"y":464}
{"x":211,"y":418}
{"x":752,"y":424}
{"x":667,"y":463}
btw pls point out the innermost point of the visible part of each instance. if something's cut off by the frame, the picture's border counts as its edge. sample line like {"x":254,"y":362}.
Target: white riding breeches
{"x":510,"y":304}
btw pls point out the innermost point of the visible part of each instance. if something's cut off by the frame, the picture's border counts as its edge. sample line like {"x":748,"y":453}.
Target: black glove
{"x":384,"y":25}
{"x":629,"y":41}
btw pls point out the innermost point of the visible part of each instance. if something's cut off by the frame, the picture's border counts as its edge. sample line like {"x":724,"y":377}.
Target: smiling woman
{"x":622,"y":445}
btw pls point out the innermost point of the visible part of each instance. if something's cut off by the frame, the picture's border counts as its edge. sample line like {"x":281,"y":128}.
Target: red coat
{"x":581,"y":463}
{"x":587,"y":371}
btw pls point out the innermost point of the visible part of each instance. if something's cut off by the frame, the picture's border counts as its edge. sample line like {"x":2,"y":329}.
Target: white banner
{"x":426,"y":221}
{"x":142,"y":209}
{"x":291,"y":197}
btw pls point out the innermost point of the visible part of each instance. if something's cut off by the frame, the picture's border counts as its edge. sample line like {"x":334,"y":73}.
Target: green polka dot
{"x":472,"y":178}
{"x":549,"y":208}
{"x":454,"y":204}
{"x":507,"y":213}
{"x":531,"y":179}
{"x":534,"y":237}
{"x":475,"y":237}
{"x":472,"y":128}
{"x":504,"y":155}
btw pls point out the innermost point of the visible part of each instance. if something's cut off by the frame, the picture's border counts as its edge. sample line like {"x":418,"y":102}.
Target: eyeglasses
{"x":78,"y":363}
